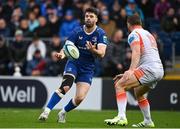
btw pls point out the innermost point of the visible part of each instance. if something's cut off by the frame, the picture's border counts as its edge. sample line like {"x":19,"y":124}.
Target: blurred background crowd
{"x":31,"y":31}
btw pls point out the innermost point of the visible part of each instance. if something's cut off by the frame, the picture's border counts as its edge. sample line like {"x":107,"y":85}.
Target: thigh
{"x":148,"y":76}
{"x":82,"y":89}
{"x":85,"y":76}
{"x":132,"y":82}
{"x":70,"y":69}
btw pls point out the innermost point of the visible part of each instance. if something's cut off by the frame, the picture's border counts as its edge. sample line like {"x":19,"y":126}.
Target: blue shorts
{"x":82,"y":72}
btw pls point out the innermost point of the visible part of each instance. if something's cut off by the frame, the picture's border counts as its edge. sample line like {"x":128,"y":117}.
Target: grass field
{"x":27,"y":118}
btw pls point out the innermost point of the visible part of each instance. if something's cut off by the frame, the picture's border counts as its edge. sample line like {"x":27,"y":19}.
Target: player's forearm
{"x":134,"y":60}
{"x":98,"y":53}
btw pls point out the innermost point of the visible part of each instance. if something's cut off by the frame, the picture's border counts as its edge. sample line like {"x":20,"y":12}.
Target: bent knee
{"x":66,"y":89}
{"x":119,"y":85}
{"x":79,"y":99}
{"x":137,"y":94}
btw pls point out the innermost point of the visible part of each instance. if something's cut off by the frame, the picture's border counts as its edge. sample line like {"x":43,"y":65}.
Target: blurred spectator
{"x":24,"y":26}
{"x":18,"y":11}
{"x":31,"y":4}
{"x":50,"y":10}
{"x":36,"y":10}
{"x":68,"y":25}
{"x":78,"y":9}
{"x":15,"y":20}
{"x":108,"y":25}
{"x":22,"y":4}
{"x":54,"y":23}
{"x":178,"y":20}
{"x":4,"y":30}
{"x":86,"y":5}
{"x":127,"y":59}
{"x":160,"y":8}
{"x":122,"y":21}
{"x":36,"y":66}
{"x":60,"y":8}
{"x":4,"y":57}
{"x":54,"y":67}
{"x":18,"y":50}
{"x":169,"y":21}
{"x":101,"y":6}
{"x":108,"y":3}
{"x":55,"y":45}
{"x":175,"y":4}
{"x":123,"y":3}
{"x":33,"y":22}
{"x":8,"y":9}
{"x":46,"y":18}
{"x":68,"y":4}
{"x":132,"y":8}
{"x":1,"y":11}
{"x":147,"y":6}
{"x":114,"y":14}
{"x":44,"y":6}
{"x":43,"y":30}
{"x":36,"y":44}
{"x":115,"y":55}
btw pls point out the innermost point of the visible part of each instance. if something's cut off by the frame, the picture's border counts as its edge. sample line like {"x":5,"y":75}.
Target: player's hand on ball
{"x":60,"y":55}
{"x":90,"y":46}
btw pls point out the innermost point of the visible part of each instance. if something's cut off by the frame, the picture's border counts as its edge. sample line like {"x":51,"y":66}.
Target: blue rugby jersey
{"x":79,"y":38}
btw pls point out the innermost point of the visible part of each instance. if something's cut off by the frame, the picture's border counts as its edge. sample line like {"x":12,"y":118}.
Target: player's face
{"x":90,"y":19}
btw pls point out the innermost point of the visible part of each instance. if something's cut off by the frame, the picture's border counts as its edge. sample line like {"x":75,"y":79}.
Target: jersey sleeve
{"x":73,"y":36}
{"x":133,"y":38}
{"x":103,"y":38}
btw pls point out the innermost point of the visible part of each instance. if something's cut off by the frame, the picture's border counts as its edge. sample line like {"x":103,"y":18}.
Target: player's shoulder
{"x":78,"y":29}
{"x":134,"y":32}
{"x":100,"y":30}
{"x":133,"y":36}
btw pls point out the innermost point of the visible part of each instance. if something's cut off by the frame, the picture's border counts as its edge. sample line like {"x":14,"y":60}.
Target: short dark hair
{"x":35,"y":38}
{"x":134,"y":20}
{"x":92,"y":10}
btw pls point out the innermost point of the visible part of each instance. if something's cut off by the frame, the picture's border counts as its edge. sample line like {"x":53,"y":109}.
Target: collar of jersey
{"x":90,"y":32}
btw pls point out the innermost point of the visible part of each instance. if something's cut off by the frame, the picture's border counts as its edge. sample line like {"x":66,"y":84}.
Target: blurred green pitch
{"x":28,"y":118}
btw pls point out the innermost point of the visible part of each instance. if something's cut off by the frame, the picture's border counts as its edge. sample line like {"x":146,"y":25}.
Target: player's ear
{"x":96,"y":19}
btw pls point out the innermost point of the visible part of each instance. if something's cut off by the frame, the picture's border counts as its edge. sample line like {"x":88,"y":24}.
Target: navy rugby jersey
{"x":79,"y":38}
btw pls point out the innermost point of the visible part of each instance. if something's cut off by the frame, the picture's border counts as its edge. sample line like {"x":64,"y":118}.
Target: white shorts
{"x":149,"y":76}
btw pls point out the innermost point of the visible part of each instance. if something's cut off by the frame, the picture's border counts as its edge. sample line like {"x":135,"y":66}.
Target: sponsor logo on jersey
{"x":80,"y":37}
{"x":94,"y":39}
{"x":132,"y":38}
{"x":105,"y":40}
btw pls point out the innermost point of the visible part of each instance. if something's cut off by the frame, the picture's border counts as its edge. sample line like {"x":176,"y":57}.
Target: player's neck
{"x":89,"y":30}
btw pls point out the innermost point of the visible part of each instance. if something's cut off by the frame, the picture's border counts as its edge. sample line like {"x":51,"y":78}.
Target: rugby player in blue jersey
{"x":91,"y":41}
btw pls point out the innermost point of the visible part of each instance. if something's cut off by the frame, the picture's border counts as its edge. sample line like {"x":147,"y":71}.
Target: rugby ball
{"x":71,"y":51}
